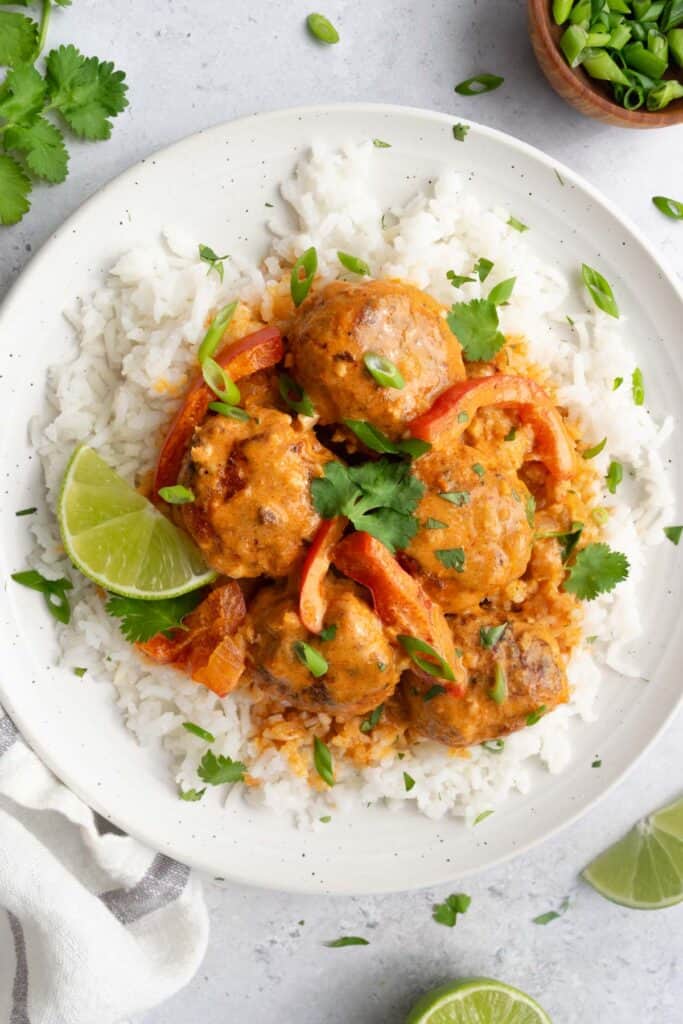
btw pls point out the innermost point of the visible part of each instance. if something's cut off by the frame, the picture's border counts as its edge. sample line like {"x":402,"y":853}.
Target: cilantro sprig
{"x":447,"y":912}
{"x":81,"y":93}
{"x":596,"y":570}
{"x":141,"y":620}
{"x":377,"y":497}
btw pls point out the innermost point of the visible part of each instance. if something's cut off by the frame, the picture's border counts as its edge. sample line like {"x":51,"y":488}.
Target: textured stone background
{"x":191,"y":65}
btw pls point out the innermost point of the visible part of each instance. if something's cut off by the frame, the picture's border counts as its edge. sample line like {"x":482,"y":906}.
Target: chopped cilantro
{"x":460,"y":131}
{"x":537,"y":715}
{"x":452,"y":558}
{"x":437,"y":690}
{"x":447,"y":912}
{"x":53,"y":591}
{"x":191,"y":795}
{"x":490,"y":635}
{"x":326,"y":819}
{"x":596,"y":570}
{"x":517,"y":224}
{"x":475,"y":325}
{"x":673,"y":533}
{"x":434,"y":524}
{"x":408,"y":781}
{"x":369,"y":723}
{"x":457,"y":498}
{"x":478,"y":469}
{"x":458,"y":280}
{"x":215,"y":770}
{"x":141,"y":620}
{"x":329,"y":632}
{"x":80,"y":672}
{"x":482,"y":268}
{"x":597,"y":763}
{"x":207,"y":255}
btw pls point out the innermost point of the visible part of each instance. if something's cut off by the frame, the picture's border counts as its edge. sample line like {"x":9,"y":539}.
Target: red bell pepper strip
{"x":256,"y":351}
{"x":399,"y":600}
{"x":206,"y":647}
{"x":312,"y":603}
{"x":553,"y":444}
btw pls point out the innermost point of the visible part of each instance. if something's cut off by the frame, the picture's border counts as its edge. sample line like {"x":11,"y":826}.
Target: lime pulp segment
{"x":477,"y":1001}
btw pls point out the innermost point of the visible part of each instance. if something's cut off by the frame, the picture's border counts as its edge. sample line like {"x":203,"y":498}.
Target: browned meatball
{"x":534,"y":679}
{"x":484,"y":523}
{"x":252,"y":512}
{"x":343,"y":322}
{"x":363,"y":667}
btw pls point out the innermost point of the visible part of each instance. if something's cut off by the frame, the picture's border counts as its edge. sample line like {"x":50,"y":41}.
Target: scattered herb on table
{"x":322,"y":29}
{"x":54,"y":592}
{"x":141,"y":620}
{"x":215,"y":262}
{"x":216,"y":769}
{"x":478,"y":84}
{"x":346,"y":940}
{"x":322,"y":759}
{"x":551,"y":915}
{"x":596,"y":570}
{"x":597,"y":763}
{"x":446,"y":913}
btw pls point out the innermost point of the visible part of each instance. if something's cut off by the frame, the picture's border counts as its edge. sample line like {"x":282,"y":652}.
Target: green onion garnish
{"x":384,"y":371}
{"x":590,"y":453}
{"x":232,"y":411}
{"x":517,"y":224}
{"x":329,"y":632}
{"x":637,"y":387}
{"x":460,"y":131}
{"x":374,"y":439}
{"x":214,"y":334}
{"x":197,"y":730}
{"x":220,"y":383}
{"x":499,"y":690}
{"x":354,"y":264}
{"x":669,"y":207}
{"x":322,"y":758}
{"x":673,"y":533}
{"x":478,"y":469}
{"x":313,"y":660}
{"x":490,"y":635}
{"x":369,"y":723}
{"x":434,"y":691}
{"x":482,"y":817}
{"x":54,"y":592}
{"x":302,"y":275}
{"x":600,"y":290}
{"x":26,"y":511}
{"x":294,"y":396}
{"x":479,"y":84}
{"x":615,"y":474}
{"x":536,"y":716}
{"x":322,"y":29}
{"x":176,"y":495}
{"x":494,"y":746}
{"x":433,"y":664}
{"x":616,"y":383}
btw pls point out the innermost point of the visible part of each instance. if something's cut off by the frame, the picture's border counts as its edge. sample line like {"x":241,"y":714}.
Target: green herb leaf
{"x":216,"y":770}
{"x":18,"y":35}
{"x":460,"y":131}
{"x":673,"y":533}
{"x":328,"y":633}
{"x":499,"y":691}
{"x":457,"y":498}
{"x":197,"y":730}
{"x":475,"y":325}
{"x":369,"y":723}
{"x":596,"y":570}
{"x":434,"y":524}
{"x":220,"y":383}
{"x":530,"y":509}
{"x":501,"y":292}
{"x":322,"y":758}
{"x":478,"y":469}
{"x":637,"y":387}
{"x":482,"y":268}
{"x":86,"y":92}
{"x":446,"y":913}
{"x":381,"y":144}
{"x":354,"y":264}
{"x":80,"y":672}
{"x":489,"y":636}
{"x":346,"y":940}
{"x":517,"y":224}
{"x":26,"y":511}
{"x":326,"y":819}
{"x":597,"y":763}
{"x":302,"y":275}
{"x":42,"y":146}
{"x":458,"y":280}
{"x":615,"y":474}
{"x":384,"y":371}
{"x":177,"y":495}
{"x":322,"y":29}
{"x":433,"y":664}
{"x":616,"y":383}
{"x":434,"y":691}
{"x":600,"y":290}
{"x":294,"y":396}
{"x":373,"y":438}
{"x":669,"y":207}
{"x":141,"y":620}
{"x":479,"y":84}
{"x":54,"y":592}
{"x":535,"y":716}
{"x":590,"y":453}
{"x":215,"y":332}
{"x":15,"y":186}
{"x":233,"y":412}
{"x":314,"y":661}
{"x":408,"y":782}
{"x":494,"y":746}
{"x":482,"y":817}
{"x":511,"y":434}
{"x":551,"y":915}
{"x":452,"y":558}
{"x":207,"y":255}
{"x":191,"y":795}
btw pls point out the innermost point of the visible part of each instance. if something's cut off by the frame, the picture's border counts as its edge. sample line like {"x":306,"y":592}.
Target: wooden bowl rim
{"x":540,"y":14}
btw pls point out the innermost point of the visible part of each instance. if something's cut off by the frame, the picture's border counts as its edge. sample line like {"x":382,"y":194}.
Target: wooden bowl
{"x":590,"y":97}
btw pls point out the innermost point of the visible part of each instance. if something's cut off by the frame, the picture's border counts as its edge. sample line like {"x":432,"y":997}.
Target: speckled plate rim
{"x":340,"y":869}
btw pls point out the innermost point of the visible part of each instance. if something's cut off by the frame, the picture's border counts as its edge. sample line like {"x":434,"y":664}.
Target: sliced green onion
{"x":346,"y":940}
{"x":54,"y":592}
{"x":433,"y":664}
{"x":615,"y":474}
{"x":590,"y":453}
{"x":460,"y":131}
{"x":322,"y":29}
{"x":219,"y":382}
{"x":673,"y":533}
{"x":494,"y":746}
{"x":233,"y":411}
{"x":452,"y":558}
{"x":408,"y":782}
{"x":313,"y":660}
{"x":214,"y":334}
{"x":601,"y":66}
{"x":600,"y":290}
{"x":191,"y":795}
{"x":675,"y":39}
{"x":197,"y":730}
{"x":664,"y":94}
{"x":598,"y":39}
{"x":669,"y":207}
{"x":638,"y":57}
{"x":381,"y":144}
{"x":502,"y":292}
{"x":573,"y":43}
{"x":490,"y":635}
{"x":457,"y":498}
{"x":384,"y":371}
{"x":619,"y":37}
{"x":673,"y":15}
{"x":482,"y":268}
{"x":633,"y":98}
{"x":369,"y":723}
{"x":620,"y":6}
{"x":657,"y":45}
{"x":482,"y":817}
{"x":518,"y":226}
{"x":322,"y":759}
{"x":463,"y":417}
{"x":294,"y":396}
{"x":207,"y":255}
{"x":479,"y":84}
{"x":499,"y":691}
{"x":376,"y":441}
{"x":176,"y":495}
{"x":302,"y":275}
{"x":637,"y":387}
{"x":536,"y":716}
{"x":562,"y":10}
{"x":354,"y":264}
{"x":478,"y":469}
{"x":530,"y":509}
{"x":581,"y":12}
{"x":26,"y":511}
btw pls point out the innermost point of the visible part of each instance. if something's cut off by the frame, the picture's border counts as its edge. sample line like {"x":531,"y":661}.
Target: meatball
{"x":252,"y":512}
{"x":363,"y":667}
{"x":534,"y":676}
{"x":478,"y":538}
{"x":342,"y":323}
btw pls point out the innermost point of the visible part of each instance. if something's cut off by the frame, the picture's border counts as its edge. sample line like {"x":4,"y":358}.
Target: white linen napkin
{"x":95,"y":927}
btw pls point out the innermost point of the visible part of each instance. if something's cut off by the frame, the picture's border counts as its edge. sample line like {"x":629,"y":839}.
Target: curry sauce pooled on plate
{"x":397,"y":510}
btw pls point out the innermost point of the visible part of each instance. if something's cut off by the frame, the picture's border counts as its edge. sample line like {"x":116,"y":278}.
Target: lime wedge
{"x":644,"y":869}
{"x":477,"y":1001}
{"x":117,"y":537}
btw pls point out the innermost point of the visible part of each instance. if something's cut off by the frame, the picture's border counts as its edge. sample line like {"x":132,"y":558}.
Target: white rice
{"x":144,"y":323}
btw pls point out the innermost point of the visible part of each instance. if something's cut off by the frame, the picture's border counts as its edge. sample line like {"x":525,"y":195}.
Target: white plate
{"x":215,"y":185}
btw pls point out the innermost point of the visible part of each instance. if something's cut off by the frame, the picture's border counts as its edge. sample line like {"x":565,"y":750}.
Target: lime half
{"x":644,"y":869}
{"x":117,"y":537}
{"x":477,"y":1001}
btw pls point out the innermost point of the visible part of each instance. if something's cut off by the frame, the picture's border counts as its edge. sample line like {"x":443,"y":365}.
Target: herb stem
{"x":42,"y":29}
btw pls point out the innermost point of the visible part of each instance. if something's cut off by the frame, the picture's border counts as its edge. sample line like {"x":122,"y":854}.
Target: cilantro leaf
{"x":388,"y":484}
{"x":191,"y":795}
{"x":475,"y":325}
{"x":215,"y":770}
{"x":452,"y":558}
{"x":23,"y":94}
{"x":15,"y":186}
{"x":141,"y":620}
{"x":87,"y":92}
{"x":447,"y":912}
{"x":18,"y":35}
{"x":596,"y":570}
{"x":43,"y":146}
{"x":333,"y":492}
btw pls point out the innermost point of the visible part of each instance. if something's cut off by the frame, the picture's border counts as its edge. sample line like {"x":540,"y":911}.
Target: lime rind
{"x":118,"y":539}
{"x":477,"y":1001}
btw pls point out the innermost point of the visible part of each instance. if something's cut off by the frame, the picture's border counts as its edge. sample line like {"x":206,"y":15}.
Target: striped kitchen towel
{"x":94,"y":927}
